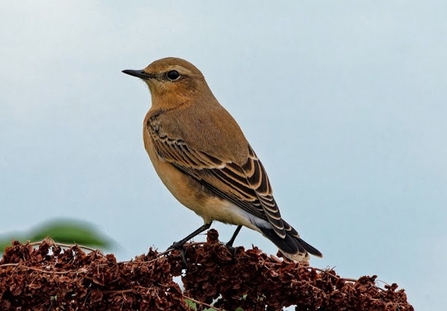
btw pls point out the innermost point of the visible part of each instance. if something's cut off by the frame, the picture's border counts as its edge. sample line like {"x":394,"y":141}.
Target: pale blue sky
{"x":344,"y":102}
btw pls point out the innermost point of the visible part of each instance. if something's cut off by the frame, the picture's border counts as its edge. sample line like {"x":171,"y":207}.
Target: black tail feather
{"x":290,"y":244}
{"x":309,"y":248}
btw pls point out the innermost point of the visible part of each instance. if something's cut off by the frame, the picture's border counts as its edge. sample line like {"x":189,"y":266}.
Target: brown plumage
{"x":201,"y":155}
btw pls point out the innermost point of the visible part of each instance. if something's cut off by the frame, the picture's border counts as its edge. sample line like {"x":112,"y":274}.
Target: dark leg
{"x":179,"y":244}
{"x":231,"y":241}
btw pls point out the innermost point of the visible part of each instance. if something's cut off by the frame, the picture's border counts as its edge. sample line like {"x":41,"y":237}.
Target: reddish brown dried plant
{"x":47,"y":277}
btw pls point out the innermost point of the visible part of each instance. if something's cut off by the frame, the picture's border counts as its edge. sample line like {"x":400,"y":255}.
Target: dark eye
{"x":173,"y":75}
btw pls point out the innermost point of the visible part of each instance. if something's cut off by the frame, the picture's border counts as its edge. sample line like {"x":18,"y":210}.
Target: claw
{"x":179,"y":247}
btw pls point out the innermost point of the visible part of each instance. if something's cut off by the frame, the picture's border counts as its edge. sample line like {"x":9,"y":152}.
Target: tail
{"x":292,"y":246}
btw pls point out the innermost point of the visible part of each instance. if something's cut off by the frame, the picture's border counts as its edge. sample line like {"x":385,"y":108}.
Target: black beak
{"x":138,"y":73}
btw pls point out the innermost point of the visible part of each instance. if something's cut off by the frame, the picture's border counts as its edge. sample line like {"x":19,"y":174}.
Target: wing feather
{"x":247,"y":185}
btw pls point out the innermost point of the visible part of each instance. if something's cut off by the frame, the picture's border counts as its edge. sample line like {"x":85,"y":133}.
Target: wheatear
{"x":201,"y":155}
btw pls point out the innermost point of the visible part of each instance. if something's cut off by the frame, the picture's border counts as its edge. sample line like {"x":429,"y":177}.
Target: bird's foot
{"x":177,"y":245}
{"x":180,"y":247}
{"x":233,"y":250}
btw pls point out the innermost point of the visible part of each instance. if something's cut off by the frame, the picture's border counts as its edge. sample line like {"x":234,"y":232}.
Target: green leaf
{"x":66,"y":231}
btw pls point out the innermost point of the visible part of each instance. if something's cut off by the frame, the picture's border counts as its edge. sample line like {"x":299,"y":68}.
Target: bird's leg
{"x":231,"y":241}
{"x":179,"y":244}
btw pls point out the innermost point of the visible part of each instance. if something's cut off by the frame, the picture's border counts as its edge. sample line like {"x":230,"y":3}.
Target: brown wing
{"x":247,"y":186}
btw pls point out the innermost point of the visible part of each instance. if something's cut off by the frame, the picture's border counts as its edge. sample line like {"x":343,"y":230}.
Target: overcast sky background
{"x":345,"y":102}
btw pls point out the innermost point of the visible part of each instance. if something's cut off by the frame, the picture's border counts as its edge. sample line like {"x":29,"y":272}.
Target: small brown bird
{"x":201,"y":155}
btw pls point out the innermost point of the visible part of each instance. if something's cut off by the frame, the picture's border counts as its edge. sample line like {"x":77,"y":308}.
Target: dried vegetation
{"x":48,"y":276}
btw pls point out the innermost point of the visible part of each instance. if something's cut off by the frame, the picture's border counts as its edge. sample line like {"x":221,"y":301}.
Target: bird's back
{"x":220,"y":135}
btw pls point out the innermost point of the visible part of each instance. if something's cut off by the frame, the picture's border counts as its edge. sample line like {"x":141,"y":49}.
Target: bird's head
{"x":171,"y":79}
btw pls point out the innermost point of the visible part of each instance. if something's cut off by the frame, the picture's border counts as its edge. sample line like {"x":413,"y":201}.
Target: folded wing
{"x":247,"y":185}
